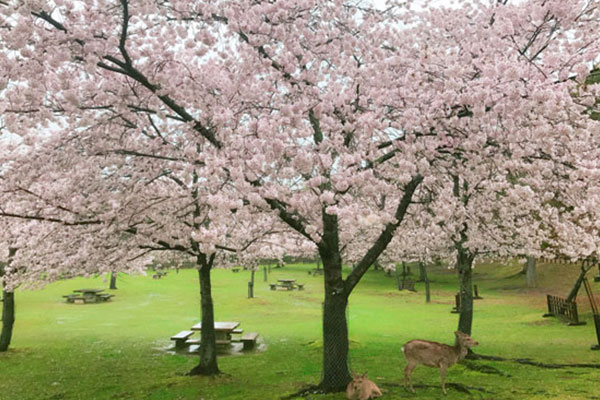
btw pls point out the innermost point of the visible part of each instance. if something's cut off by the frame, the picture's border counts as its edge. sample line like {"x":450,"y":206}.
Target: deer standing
{"x":436,"y":355}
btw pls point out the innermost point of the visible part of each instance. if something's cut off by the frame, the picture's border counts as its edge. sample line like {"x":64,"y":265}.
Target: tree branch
{"x":384,"y":238}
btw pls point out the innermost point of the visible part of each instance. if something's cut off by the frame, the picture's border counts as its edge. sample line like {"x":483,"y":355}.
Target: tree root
{"x":528,"y":361}
{"x":459,"y":387}
{"x":312,"y":389}
{"x":484,"y":369}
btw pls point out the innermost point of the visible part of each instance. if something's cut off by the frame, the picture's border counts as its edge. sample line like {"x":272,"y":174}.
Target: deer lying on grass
{"x":437,"y":355}
{"x":361,"y":388}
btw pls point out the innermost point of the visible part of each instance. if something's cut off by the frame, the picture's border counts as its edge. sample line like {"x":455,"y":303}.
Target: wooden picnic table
{"x":88,"y":296}
{"x":287,"y":283}
{"x":88,"y":291}
{"x":223,"y":330}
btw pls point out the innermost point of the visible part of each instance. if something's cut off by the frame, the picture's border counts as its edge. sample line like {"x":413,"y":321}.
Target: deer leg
{"x":443,"y":377}
{"x":407,"y":372}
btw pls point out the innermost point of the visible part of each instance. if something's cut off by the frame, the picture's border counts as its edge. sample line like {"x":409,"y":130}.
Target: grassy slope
{"x":116,"y":350}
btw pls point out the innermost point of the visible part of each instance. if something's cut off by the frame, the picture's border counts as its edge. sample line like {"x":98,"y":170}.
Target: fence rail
{"x":561,"y":308}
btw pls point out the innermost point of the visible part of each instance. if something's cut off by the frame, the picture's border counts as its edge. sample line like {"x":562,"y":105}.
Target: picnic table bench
{"x":158,"y":274}
{"x":223,"y":331}
{"x":249,"y":340}
{"x":181,"y":338}
{"x":72,"y":298}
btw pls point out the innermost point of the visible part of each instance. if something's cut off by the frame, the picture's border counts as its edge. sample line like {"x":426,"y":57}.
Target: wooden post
{"x":476,"y":295}
{"x":265,"y":274}
{"x":251,"y":285}
{"x":595,"y":312}
{"x":456,"y":308}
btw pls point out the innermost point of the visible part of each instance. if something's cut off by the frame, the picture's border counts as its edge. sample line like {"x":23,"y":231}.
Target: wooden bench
{"x":181,"y":338}
{"x":105,"y":296}
{"x":237,"y":331}
{"x":249,"y":340}
{"x":196,"y":342}
{"x":71,"y":298}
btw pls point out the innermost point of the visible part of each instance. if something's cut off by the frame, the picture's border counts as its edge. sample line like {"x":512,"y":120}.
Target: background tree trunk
{"x":425,"y":278}
{"x":251,"y":285}
{"x":422,"y":272}
{"x":8,"y":308}
{"x":464,"y":265}
{"x":208,"y":345}
{"x":530,"y":272}
{"x":113,"y":281}
{"x":8,"y":319}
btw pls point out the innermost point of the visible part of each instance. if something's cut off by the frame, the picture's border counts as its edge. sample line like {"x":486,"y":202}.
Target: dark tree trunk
{"x":336,"y":373}
{"x":8,"y":319}
{"x":530,"y":273}
{"x":425,"y":278}
{"x":398,"y":282}
{"x":464,"y":265}
{"x":251,"y":285}
{"x":208,"y":345}
{"x":113,"y":281}
{"x":422,"y":272}
{"x":8,"y":309}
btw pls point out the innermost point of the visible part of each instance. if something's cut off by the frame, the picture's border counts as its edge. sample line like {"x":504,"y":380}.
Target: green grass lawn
{"x":117,"y":350}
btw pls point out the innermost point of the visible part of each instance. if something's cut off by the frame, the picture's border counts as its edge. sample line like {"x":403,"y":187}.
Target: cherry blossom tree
{"x":120,"y":211}
{"x":332,"y":116}
{"x":513,"y":128}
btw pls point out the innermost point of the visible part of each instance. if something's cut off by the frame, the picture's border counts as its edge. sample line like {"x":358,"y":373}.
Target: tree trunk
{"x":251,"y":285}
{"x":208,"y":345}
{"x":8,"y":309}
{"x":8,"y":319}
{"x":336,"y":374}
{"x":530,"y":273}
{"x":464,"y":265}
{"x":422,"y":272}
{"x":113,"y":281}
{"x":398,"y":282}
{"x":425,"y":278}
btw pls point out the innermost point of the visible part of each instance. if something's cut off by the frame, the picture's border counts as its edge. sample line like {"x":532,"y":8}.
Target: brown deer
{"x":362,"y":388}
{"x":437,"y":355}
